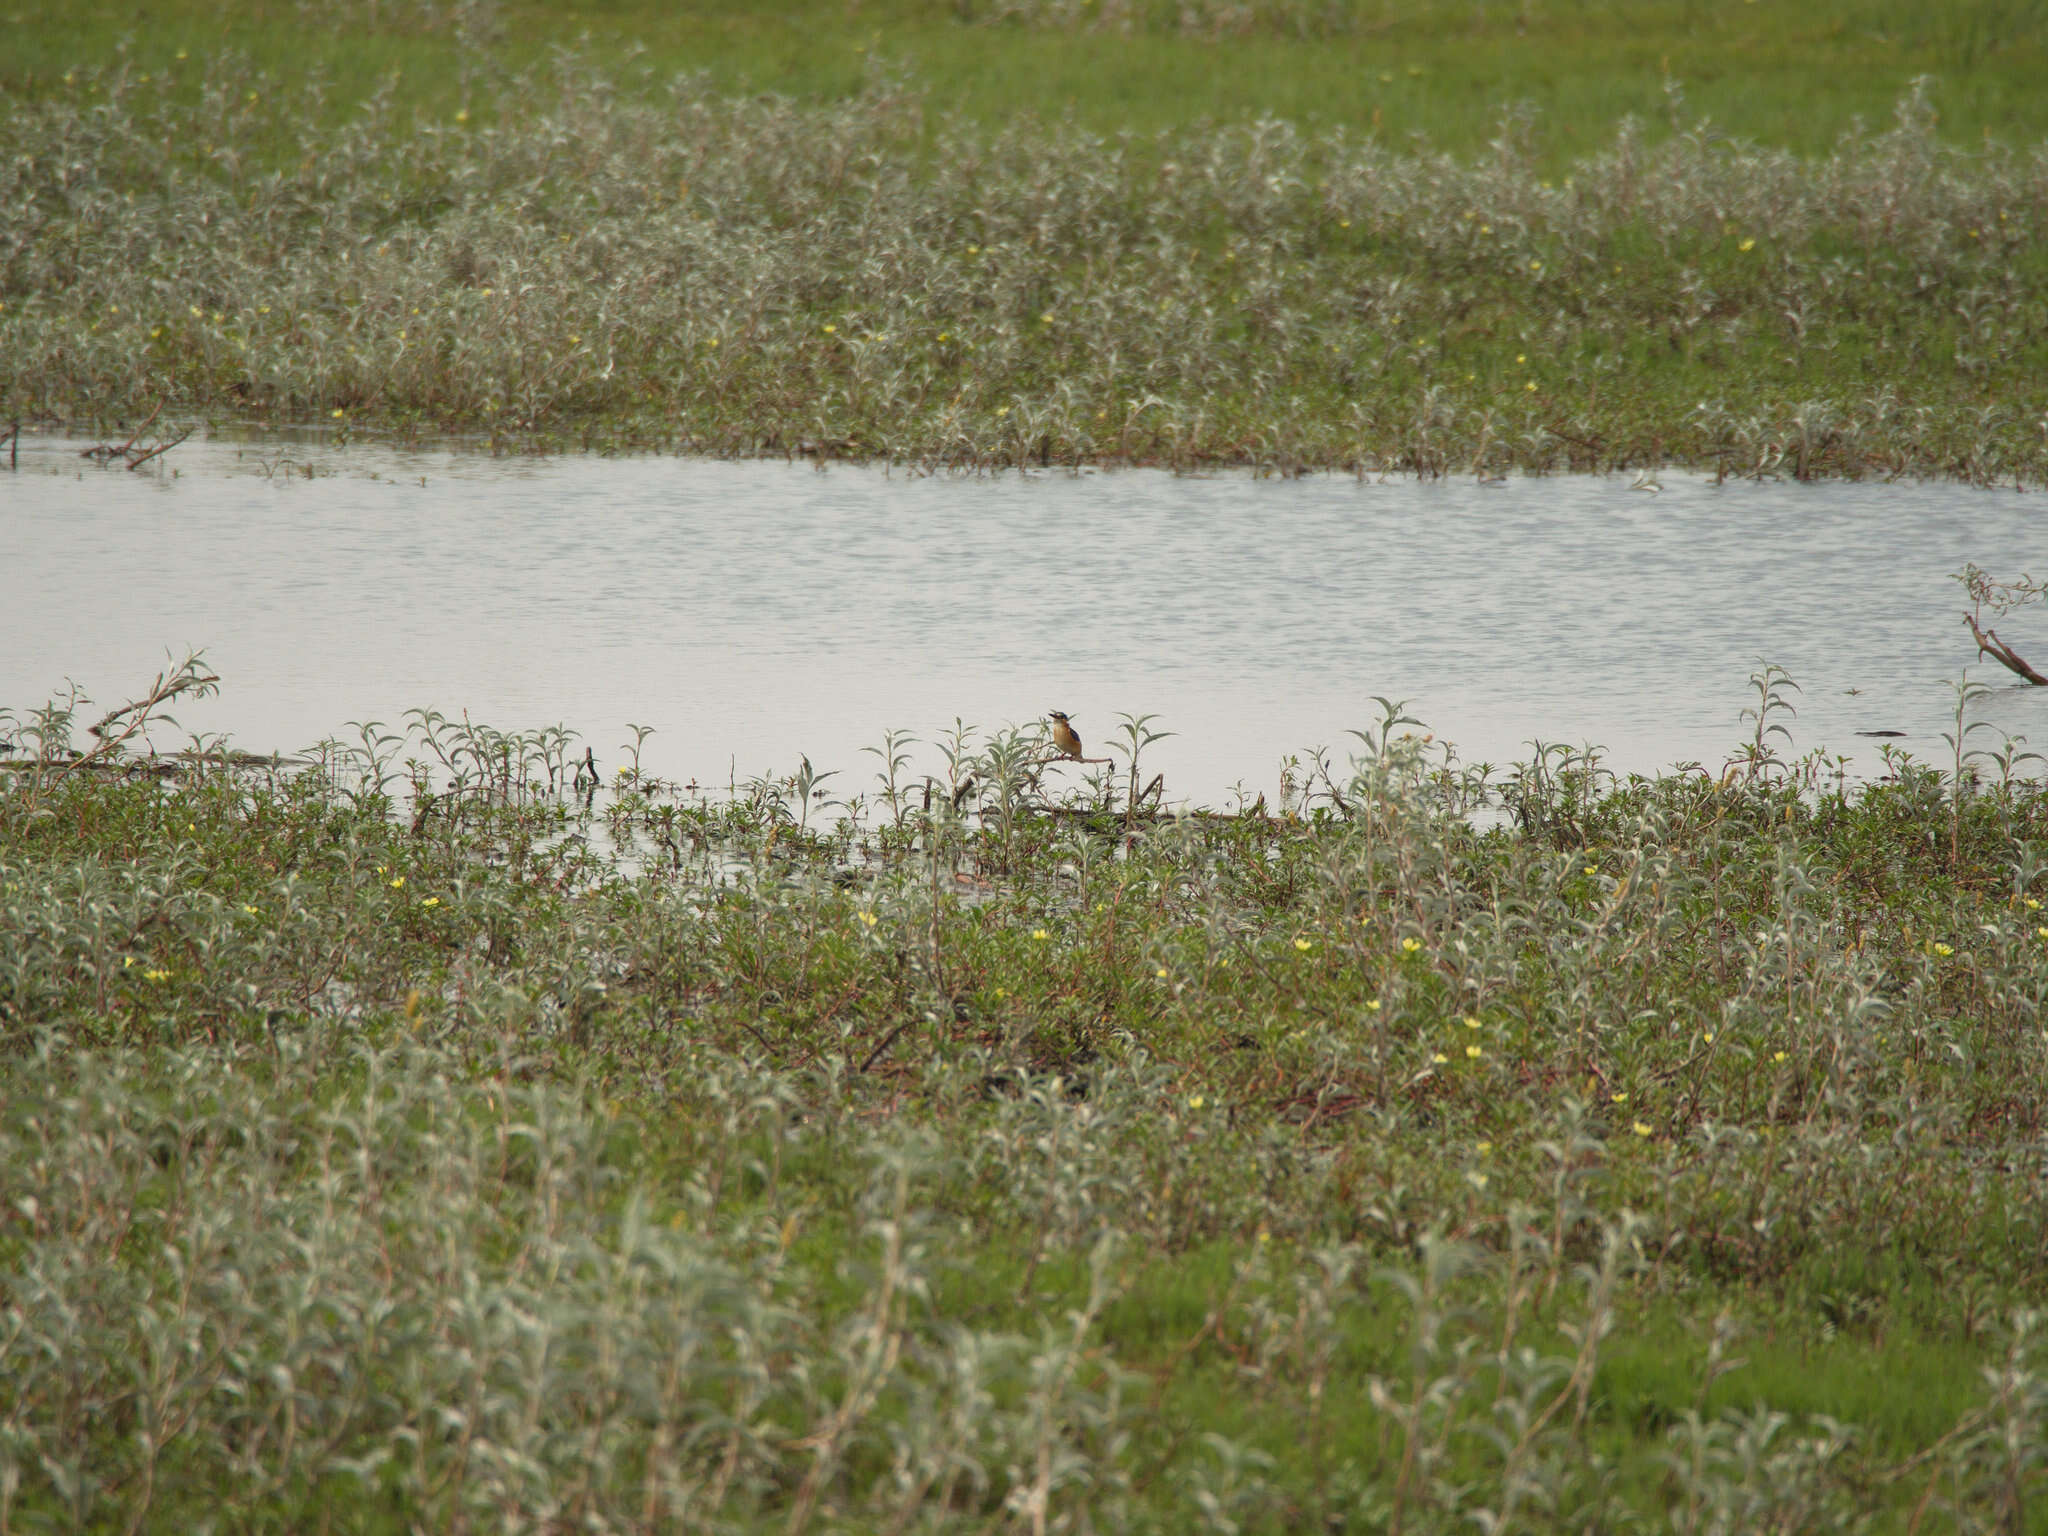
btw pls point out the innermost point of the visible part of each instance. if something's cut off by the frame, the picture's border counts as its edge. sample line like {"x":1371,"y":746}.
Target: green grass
{"x":1794,"y":78}
{"x":554,"y":241}
{"x":1647,"y":1152}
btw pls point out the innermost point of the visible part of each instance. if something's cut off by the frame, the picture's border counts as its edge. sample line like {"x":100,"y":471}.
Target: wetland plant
{"x":1021,"y":1159}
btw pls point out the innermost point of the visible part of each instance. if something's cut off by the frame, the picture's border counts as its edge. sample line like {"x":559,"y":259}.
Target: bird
{"x":1064,"y":735}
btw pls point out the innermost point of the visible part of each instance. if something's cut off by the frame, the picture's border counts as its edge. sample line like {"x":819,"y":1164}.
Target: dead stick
{"x":1988,"y":644}
{"x":167,"y":687}
{"x":108,"y":450}
{"x":137,"y":463}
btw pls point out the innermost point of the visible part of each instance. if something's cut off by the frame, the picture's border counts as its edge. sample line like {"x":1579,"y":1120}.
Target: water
{"x":753,"y":613}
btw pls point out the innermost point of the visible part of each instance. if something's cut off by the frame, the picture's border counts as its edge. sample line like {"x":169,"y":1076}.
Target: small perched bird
{"x":1064,"y":735}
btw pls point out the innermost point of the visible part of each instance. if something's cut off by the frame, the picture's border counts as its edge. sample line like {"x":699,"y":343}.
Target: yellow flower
{"x":1001,"y":994}
{"x":398,"y":882}
{"x":2033,"y":905}
{"x":1780,"y":1056}
{"x":1040,"y":934}
{"x":1482,"y":1147}
{"x":1002,"y":410}
{"x":2042,"y":932}
{"x":1521,"y":357}
{"x":1410,"y":946}
{"x":830,"y":329}
{"x":1747,"y":245}
{"x":1592,"y":869}
{"x":868,"y":918}
{"x":1708,"y":1036}
{"x":1618,"y":1098}
{"x":1476,"y":1180}
{"x":249,"y":909}
{"x":1161,"y":973}
{"x":156,"y":975}
{"x":1440,"y":1058}
{"x":1535,"y":266}
{"x":1343,"y":223}
{"x":1640,"y":1129}
{"x":974,"y":250}
{"x":1474,"y":1052}
{"x":127,"y":961}
{"x":338,"y":412}
{"x":1303,"y":945}
{"x":462,"y":116}
{"x":1046,"y":318}
{"x":431,"y":901}
{"x":1372,"y":1005}
{"x":1472,"y":1021}
{"x":1530,"y":386}
{"x":1943,"y":950}
{"x":193,"y":309}
{"x":1196,"y":1101}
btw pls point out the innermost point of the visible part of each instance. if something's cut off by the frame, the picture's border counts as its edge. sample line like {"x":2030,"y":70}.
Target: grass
{"x":422,"y":1136}
{"x":455,"y":224}
{"x":1796,"y":80}
{"x":400,"y":1141}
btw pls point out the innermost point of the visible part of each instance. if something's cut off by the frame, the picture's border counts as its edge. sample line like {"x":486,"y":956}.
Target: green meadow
{"x":1423,"y":239}
{"x":418,"y":1135}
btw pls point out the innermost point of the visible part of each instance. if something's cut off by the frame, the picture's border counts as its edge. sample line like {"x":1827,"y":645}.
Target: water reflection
{"x":754,"y":612}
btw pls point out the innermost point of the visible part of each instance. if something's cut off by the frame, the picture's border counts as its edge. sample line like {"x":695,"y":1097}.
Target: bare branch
{"x":187,"y":677}
{"x":1988,"y":644}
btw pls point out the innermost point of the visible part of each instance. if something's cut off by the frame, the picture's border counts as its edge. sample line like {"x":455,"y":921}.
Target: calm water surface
{"x":754,"y":612}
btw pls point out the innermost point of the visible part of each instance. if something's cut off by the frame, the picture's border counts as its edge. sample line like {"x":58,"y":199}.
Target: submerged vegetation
{"x":423,"y":1136}
{"x":592,"y":254}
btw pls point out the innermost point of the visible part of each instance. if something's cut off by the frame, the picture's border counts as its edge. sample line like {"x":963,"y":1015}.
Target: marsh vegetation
{"x":419,"y":1136}
{"x":430,"y":1132}
{"x":585,"y":254}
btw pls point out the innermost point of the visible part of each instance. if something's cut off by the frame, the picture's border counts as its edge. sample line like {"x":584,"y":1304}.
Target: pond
{"x":755,"y":613}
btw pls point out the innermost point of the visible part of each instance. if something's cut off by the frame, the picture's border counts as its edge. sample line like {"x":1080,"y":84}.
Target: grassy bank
{"x":1428,"y":69}
{"x":1540,"y":1150}
{"x":588,"y":250}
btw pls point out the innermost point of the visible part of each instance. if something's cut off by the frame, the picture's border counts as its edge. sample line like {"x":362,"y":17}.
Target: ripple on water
{"x":753,"y":612}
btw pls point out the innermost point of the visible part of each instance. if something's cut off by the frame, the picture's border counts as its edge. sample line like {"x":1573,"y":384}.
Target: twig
{"x":137,"y":461}
{"x":189,"y":677}
{"x":1988,"y":644}
{"x":108,"y":450}
{"x":887,"y":1040}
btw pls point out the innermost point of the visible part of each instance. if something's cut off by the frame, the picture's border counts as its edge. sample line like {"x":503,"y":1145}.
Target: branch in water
{"x":1988,"y":644}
